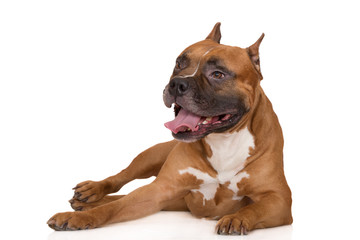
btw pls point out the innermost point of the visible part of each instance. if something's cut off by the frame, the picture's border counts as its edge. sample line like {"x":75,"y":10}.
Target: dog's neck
{"x":229,"y":151}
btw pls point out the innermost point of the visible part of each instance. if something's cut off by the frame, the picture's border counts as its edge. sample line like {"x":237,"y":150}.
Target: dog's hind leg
{"x":176,"y":205}
{"x":145,"y":165}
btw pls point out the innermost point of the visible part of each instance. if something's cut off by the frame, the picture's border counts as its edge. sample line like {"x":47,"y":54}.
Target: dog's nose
{"x":178,"y":86}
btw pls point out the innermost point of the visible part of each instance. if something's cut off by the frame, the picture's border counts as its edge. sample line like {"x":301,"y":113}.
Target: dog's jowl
{"x":225,"y":163}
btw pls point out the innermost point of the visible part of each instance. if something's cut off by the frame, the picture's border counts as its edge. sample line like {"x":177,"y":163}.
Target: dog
{"x":225,"y":162}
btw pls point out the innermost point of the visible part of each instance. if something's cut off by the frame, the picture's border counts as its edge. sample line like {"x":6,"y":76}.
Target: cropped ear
{"x":253,"y":52}
{"x":215,"y":34}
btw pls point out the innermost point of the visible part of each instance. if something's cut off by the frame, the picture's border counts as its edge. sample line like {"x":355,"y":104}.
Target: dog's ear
{"x":253,"y":52}
{"x":215,"y":34}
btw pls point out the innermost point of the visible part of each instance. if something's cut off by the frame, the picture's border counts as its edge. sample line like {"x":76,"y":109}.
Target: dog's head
{"x":212,"y":87}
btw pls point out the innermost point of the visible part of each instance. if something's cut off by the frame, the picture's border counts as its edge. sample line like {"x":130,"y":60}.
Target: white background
{"x":81,"y":94}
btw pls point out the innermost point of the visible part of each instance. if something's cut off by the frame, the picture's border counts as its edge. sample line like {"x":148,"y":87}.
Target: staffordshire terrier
{"x":225,"y":163}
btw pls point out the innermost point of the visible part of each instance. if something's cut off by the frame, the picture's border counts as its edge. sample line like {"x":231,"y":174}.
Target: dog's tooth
{"x":227,"y":116}
{"x":207,"y":120}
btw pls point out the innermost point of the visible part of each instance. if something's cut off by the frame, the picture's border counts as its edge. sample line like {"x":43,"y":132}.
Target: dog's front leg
{"x":268,"y":210}
{"x":139,"y":203}
{"x":146,"y":164}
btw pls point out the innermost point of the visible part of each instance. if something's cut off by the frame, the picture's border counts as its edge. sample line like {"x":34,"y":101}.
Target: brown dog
{"x":226,"y":162}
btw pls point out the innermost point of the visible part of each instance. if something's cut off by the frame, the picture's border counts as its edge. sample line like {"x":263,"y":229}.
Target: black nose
{"x":178,"y":86}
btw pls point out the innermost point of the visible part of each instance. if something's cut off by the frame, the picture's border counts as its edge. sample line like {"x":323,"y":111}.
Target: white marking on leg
{"x":209,"y":186}
{"x":233,"y":184}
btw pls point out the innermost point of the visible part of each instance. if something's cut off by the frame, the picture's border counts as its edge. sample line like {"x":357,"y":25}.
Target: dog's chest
{"x":229,"y":154}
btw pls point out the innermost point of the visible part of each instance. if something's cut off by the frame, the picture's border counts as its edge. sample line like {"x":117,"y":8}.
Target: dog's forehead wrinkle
{"x":197,"y":65}
{"x":183,"y":58}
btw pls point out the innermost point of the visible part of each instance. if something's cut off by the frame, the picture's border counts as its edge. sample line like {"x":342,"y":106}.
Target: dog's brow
{"x":197,"y":67}
{"x":183,"y":57}
{"x":216,"y":63}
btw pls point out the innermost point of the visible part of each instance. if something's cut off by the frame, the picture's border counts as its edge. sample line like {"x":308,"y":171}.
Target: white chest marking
{"x":229,"y":154}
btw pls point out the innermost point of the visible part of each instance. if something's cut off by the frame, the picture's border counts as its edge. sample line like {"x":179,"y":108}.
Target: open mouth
{"x":189,"y":126}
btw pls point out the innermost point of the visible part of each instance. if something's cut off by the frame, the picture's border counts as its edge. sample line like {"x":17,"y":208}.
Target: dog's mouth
{"x":188,"y":126}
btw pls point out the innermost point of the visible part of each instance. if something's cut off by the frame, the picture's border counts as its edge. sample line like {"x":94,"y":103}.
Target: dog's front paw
{"x":68,"y":221}
{"x":232,"y":225}
{"x":90,"y":191}
{"x":84,"y":206}
{"x":80,"y":205}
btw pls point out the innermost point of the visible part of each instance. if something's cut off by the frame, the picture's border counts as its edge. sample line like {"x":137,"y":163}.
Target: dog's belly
{"x":221,"y":204}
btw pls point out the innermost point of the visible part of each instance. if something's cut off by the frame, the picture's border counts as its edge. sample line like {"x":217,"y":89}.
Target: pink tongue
{"x":183,"y":121}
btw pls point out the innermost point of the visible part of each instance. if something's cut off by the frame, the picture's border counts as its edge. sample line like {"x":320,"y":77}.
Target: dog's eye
{"x":217,"y":75}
